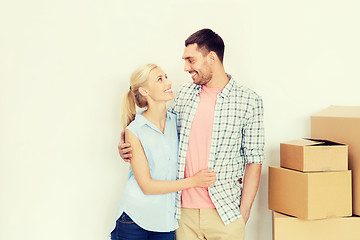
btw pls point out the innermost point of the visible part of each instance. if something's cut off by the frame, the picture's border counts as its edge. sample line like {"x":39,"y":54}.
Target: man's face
{"x":197,"y":65}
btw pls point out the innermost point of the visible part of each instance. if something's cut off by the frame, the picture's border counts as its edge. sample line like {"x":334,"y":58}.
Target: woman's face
{"x":158,"y":86}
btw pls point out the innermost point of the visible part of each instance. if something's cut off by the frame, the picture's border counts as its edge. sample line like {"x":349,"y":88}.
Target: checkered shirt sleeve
{"x":237,"y":139}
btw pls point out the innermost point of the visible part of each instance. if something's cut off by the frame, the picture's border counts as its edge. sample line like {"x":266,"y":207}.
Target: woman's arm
{"x":140,"y":168}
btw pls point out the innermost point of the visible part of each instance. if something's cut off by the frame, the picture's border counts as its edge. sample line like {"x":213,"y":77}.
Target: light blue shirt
{"x":153,"y":212}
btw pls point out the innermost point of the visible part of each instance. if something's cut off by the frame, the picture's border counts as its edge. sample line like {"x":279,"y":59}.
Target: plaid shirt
{"x":237,"y":139}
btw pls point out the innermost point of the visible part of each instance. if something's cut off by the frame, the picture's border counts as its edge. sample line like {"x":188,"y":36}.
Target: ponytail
{"x":128,"y":109}
{"x":133,"y":97}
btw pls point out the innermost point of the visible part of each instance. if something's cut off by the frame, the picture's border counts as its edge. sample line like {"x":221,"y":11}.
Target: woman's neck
{"x":156,"y":113}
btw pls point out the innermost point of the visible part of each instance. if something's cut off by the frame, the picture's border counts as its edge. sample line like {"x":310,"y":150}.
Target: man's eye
{"x":159,"y":79}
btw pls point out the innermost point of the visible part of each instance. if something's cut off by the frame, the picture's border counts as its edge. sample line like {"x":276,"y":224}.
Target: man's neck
{"x":218,"y":80}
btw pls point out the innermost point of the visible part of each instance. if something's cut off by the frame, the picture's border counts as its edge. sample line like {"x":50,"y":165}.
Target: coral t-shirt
{"x":197,"y":156}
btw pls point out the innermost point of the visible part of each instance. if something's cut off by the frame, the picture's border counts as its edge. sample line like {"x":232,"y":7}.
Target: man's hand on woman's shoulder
{"x":124,"y":148}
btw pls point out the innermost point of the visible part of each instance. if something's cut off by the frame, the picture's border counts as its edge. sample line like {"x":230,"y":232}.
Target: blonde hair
{"x":138,"y":79}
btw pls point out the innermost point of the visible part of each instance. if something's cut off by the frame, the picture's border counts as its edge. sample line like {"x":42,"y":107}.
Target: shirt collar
{"x":226,"y":90}
{"x":143,"y":121}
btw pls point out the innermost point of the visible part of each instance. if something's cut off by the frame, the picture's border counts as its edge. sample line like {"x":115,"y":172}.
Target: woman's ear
{"x":143,"y":92}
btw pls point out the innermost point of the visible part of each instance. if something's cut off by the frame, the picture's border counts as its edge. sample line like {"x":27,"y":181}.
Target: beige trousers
{"x":206,"y":224}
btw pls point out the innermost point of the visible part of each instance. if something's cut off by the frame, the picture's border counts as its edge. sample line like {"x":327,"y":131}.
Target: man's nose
{"x":187,"y":68}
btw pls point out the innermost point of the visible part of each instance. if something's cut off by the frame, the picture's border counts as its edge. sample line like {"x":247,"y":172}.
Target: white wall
{"x":65,"y":64}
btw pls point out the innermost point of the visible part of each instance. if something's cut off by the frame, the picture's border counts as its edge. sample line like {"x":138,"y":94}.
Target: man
{"x":220,"y":126}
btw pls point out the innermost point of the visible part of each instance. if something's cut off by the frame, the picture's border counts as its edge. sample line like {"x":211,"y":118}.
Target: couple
{"x":211,"y":140}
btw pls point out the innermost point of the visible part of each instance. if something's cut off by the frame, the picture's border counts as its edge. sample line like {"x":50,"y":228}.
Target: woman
{"x":147,"y":208}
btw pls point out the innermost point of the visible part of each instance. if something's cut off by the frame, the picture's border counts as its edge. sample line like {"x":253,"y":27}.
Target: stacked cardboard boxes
{"x":291,"y":228}
{"x":313,"y":180}
{"x":312,"y":184}
{"x":342,"y":123}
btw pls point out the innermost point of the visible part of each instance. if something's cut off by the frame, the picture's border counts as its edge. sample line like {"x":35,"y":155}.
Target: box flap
{"x":323,"y":142}
{"x":302,"y":142}
{"x":340,"y":111}
{"x":282,"y":215}
{"x":312,"y":142}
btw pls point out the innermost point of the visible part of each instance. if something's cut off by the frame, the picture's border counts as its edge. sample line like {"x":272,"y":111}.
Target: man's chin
{"x":200,"y":82}
{"x":197,"y":82}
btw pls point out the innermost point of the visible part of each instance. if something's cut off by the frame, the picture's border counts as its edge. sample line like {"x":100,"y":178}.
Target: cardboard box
{"x":339,"y":123}
{"x":314,"y":195}
{"x":291,"y":228}
{"x":309,"y":155}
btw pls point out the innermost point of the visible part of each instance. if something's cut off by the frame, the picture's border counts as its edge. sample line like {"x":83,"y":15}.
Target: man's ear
{"x":212,"y":56}
{"x":143,"y":92}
